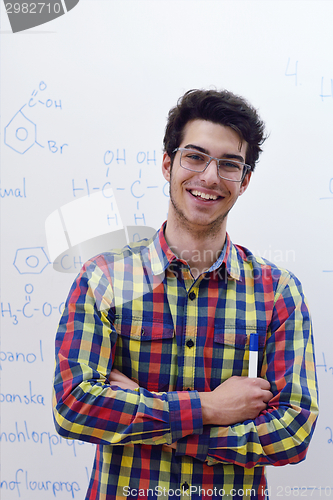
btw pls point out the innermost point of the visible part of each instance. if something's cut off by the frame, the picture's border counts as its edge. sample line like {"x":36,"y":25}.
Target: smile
{"x":203,"y":196}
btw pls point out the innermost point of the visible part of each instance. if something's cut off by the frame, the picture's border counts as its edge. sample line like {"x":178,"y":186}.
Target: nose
{"x":210,"y":175}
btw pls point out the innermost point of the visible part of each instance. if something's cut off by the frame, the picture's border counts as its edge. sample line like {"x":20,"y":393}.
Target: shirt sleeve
{"x":281,"y":434}
{"x":85,"y":405}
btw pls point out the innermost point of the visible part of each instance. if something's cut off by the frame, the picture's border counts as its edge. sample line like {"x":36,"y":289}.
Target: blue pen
{"x":253,"y":355}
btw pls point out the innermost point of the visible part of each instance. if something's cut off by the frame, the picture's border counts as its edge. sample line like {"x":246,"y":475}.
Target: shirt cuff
{"x":195,"y":446}
{"x":185,"y":414}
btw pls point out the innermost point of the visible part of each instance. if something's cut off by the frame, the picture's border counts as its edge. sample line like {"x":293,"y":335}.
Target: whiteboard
{"x":84,"y":100}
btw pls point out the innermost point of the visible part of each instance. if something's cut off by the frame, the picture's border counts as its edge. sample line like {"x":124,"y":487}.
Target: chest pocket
{"x":144,"y":352}
{"x":231,"y":349}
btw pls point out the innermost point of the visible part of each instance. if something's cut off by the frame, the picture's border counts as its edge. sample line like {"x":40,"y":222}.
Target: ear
{"x":245,"y":183}
{"x":166,"y":166}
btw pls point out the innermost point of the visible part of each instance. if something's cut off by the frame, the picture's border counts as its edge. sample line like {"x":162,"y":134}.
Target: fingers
{"x":268,"y":395}
{"x":262,"y":383}
{"x":235,"y":400}
{"x":121,"y":380}
{"x":261,"y":390}
{"x":264,"y":386}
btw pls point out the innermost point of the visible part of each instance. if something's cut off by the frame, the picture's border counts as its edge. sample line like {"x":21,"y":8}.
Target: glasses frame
{"x":246,"y":168}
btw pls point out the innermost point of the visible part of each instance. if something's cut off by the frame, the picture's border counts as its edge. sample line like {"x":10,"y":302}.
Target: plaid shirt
{"x":140,"y":310}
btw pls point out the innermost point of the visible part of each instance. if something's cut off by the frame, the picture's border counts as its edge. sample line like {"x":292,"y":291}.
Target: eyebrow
{"x":203,"y":150}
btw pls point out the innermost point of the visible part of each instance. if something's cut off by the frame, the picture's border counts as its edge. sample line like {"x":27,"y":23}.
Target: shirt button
{"x":191,"y":296}
{"x":190,"y":343}
{"x":185,"y":486}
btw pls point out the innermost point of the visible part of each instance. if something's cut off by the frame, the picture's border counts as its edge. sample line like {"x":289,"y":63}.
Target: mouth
{"x":204,"y":196}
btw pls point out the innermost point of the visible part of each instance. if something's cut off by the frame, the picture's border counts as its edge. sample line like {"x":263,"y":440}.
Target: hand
{"x":235,"y":400}
{"x":172,"y":446}
{"x":119,"y":379}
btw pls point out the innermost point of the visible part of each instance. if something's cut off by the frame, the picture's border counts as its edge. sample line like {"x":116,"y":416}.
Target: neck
{"x":199,"y":247}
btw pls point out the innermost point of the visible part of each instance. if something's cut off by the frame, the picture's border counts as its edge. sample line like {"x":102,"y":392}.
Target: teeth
{"x":204,"y":195}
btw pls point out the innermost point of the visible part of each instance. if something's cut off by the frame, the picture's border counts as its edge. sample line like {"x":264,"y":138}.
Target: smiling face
{"x":200,"y":202}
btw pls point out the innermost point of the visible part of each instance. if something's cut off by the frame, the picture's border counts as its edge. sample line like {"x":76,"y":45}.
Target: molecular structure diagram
{"x":20,"y":134}
{"x":31,"y":260}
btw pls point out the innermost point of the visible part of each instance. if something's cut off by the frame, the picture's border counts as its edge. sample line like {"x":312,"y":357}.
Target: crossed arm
{"x":235,"y":400}
{"x":229,"y":424}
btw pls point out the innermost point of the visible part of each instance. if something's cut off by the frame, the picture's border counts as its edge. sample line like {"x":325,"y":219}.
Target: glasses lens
{"x":197,"y":162}
{"x":193,"y":160}
{"x":232,"y":170}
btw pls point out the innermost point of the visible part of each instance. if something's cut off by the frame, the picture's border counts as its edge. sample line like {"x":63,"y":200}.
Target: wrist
{"x":207,"y":409}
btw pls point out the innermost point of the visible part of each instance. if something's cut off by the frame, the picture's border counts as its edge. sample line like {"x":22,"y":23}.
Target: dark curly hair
{"x":222,"y":107}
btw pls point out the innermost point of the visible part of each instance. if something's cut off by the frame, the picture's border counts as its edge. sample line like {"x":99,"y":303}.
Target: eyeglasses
{"x":229,"y":170}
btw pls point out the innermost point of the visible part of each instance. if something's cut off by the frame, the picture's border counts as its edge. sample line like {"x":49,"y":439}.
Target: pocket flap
{"x":144,"y":331}
{"x":238,"y":337}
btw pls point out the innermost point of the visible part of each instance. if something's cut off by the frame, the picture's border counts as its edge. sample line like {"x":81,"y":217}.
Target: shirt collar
{"x":231,"y":260}
{"x":161,"y":256}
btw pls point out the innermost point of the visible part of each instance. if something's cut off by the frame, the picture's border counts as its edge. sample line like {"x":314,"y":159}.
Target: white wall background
{"x":99,"y":81}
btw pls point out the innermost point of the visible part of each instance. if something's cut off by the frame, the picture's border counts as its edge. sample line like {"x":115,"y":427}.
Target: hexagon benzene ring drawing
{"x":31,"y":260}
{"x":20,"y":133}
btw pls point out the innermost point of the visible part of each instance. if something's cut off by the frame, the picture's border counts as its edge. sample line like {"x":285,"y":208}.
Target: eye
{"x":231,"y":166}
{"x":195,"y":157}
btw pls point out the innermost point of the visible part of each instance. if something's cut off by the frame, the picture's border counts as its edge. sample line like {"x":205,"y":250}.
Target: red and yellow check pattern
{"x":140,"y":310}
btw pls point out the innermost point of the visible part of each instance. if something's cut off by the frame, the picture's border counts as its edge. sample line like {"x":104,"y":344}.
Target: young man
{"x":153,"y":346}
